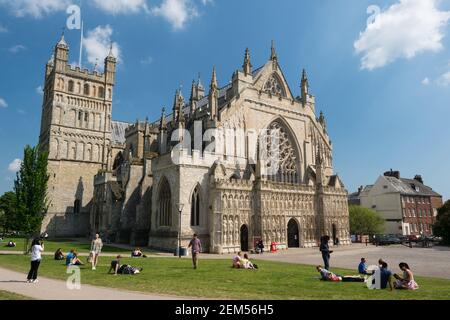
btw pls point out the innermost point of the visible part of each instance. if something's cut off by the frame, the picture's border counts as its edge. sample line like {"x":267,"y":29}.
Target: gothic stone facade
{"x":227,"y":196}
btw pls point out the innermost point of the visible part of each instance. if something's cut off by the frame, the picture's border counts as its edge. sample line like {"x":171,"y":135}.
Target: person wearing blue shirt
{"x":69,"y":257}
{"x":362,"y":269}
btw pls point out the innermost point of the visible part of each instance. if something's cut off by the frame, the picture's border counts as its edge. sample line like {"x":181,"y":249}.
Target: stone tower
{"x":76,"y":131}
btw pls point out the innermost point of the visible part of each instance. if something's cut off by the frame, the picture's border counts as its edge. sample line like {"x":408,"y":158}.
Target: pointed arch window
{"x":282,"y":156}
{"x":195,"y":208}
{"x":274,"y":86}
{"x":77,"y":206}
{"x":165,"y":204}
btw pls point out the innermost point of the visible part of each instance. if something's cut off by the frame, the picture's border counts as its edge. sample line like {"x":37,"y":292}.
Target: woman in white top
{"x":96,"y":248}
{"x":36,"y":249}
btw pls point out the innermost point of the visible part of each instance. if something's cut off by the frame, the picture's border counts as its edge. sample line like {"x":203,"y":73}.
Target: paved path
{"x":49,"y":289}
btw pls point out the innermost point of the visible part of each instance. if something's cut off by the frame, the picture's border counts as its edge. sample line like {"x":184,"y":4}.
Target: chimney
{"x":418,"y":178}
{"x":394,"y":174}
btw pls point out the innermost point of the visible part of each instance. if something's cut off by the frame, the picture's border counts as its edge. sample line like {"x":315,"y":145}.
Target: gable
{"x":270,"y":79}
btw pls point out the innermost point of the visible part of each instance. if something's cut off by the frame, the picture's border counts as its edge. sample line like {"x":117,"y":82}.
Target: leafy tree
{"x":364,"y":221}
{"x":442,"y":225}
{"x":8,"y":217}
{"x":30,"y":189}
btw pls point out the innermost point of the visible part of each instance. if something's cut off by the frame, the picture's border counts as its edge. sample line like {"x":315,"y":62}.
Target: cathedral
{"x":235,"y":164}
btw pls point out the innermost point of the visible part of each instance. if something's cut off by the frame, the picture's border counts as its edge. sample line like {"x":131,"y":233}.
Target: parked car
{"x":387,"y":240}
{"x":413,"y":238}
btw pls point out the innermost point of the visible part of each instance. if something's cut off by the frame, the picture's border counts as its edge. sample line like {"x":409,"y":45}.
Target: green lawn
{"x":216,"y":279}
{"x":6,"y":295}
{"x":82,"y":246}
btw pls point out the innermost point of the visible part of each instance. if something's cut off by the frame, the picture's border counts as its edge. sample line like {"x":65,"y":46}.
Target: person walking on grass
{"x":325,"y":250}
{"x":196,"y":249}
{"x":36,"y":249}
{"x":96,"y":249}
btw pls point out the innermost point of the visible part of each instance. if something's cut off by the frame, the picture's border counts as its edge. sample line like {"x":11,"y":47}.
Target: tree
{"x":30,"y":189}
{"x":364,"y":221}
{"x":442,"y":225}
{"x":8,"y":217}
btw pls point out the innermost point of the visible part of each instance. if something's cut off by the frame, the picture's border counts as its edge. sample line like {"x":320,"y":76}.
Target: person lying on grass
{"x":326,"y":275}
{"x":122,"y":269}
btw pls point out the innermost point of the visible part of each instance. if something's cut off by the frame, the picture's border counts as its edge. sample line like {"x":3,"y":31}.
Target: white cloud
{"x":122,"y":6}
{"x":205,"y":2}
{"x":176,"y":12}
{"x":403,"y":30}
{"x":444,"y":80}
{"x":3,"y":103}
{"x":17,"y":48}
{"x":14,"y":166}
{"x":3,"y":29}
{"x":21,"y":111}
{"x":426,"y":82}
{"x":35,"y":8}
{"x":97,"y":45}
{"x":40,"y":90}
{"x":147,"y":60}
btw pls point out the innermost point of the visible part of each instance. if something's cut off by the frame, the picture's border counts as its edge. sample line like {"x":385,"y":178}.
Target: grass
{"x":216,"y":279}
{"x":82,"y":246}
{"x":6,"y":295}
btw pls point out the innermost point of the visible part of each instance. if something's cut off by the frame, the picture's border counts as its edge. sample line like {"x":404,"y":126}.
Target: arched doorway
{"x":293,"y":234}
{"x":244,"y":238}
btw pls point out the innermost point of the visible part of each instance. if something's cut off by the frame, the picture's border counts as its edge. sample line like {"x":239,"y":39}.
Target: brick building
{"x":408,"y":205}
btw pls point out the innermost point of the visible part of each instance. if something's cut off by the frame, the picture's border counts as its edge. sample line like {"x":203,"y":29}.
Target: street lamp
{"x":180,"y":210}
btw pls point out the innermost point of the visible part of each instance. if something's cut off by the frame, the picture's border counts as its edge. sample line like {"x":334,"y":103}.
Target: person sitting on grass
{"x":237,"y":261}
{"x":362,"y":269}
{"x":407,"y":281}
{"x":76,"y":261}
{"x":385,"y":276}
{"x":72,"y":259}
{"x":69,"y":257}
{"x":247,"y":264}
{"x":326,"y":275}
{"x":59,"y":255}
{"x":115,"y":265}
{"x":11,"y":244}
{"x":137,"y":253}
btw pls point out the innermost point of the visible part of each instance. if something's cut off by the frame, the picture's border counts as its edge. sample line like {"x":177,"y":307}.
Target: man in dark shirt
{"x":196,"y":249}
{"x":385,"y":276}
{"x":115,"y":265}
{"x":325,"y":249}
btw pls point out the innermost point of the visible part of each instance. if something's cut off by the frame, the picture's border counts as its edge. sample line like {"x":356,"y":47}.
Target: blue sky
{"x":384,"y":88}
